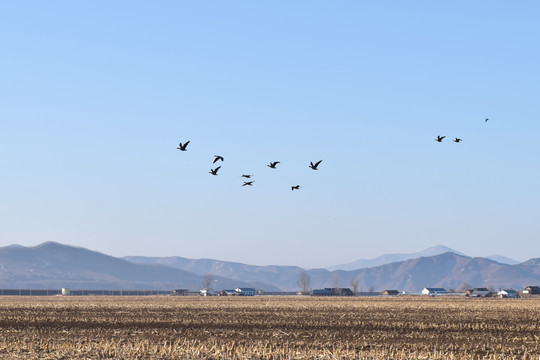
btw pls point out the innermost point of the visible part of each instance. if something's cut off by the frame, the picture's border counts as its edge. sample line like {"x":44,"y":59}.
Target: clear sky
{"x":95,"y":97}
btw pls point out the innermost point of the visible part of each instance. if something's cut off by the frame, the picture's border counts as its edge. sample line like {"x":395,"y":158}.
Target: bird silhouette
{"x":214,"y":171}
{"x":456,"y":140}
{"x":486,"y":120}
{"x":217,"y":158}
{"x":314,"y":167}
{"x":297,"y":187}
{"x":439,"y":138}
{"x":248,"y":183}
{"x":182,"y":147}
{"x":247,"y":176}
{"x":273,"y":164}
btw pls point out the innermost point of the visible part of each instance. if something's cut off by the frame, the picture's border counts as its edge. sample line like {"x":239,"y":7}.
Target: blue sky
{"x":95,"y":98}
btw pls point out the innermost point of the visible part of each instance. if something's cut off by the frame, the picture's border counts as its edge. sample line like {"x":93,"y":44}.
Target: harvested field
{"x":267,"y":328}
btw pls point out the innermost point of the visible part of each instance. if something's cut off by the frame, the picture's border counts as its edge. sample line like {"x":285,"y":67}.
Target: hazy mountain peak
{"x":439,"y":249}
{"x":15,"y":246}
{"x":503,"y":259}
{"x":390,"y":258}
{"x":47,"y":244}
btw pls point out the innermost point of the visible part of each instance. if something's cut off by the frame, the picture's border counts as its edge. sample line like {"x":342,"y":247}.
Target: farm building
{"x":342,"y":291}
{"x":322,"y":292}
{"x":228,"y":292}
{"x":332,"y":292}
{"x":533,"y":290}
{"x":478,"y":292}
{"x":508,"y":293}
{"x":246,"y":291}
{"x":390,"y":292}
{"x":434,"y":291}
{"x":205,"y":292}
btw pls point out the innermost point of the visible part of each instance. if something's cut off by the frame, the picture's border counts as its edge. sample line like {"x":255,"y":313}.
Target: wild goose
{"x":217,"y":158}
{"x":182,"y":147}
{"x":314,"y":167}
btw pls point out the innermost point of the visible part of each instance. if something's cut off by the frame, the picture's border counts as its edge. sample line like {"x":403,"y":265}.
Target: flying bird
{"x":217,"y":158}
{"x":456,"y":140}
{"x":297,"y":187}
{"x":273,"y":164}
{"x":248,"y":183}
{"x":247,"y":176}
{"x":314,"y":167}
{"x":486,"y":120}
{"x":439,"y":138}
{"x":182,"y":147}
{"x":214,"y":171}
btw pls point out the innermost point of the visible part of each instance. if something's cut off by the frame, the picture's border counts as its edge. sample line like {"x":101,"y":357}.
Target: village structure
{"x":477,"y":292}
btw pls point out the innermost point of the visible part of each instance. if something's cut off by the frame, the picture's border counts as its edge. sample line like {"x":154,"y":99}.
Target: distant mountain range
{"x":448,"y":270}
{"x":390,"y":258}
{"x":285,"y":276}
{"x":52,"y":265}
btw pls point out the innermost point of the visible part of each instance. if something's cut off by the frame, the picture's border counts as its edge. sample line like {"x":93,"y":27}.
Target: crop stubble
{"x":171,"y":327}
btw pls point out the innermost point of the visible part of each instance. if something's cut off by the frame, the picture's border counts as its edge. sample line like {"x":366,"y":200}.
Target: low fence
{"x":96,"y":292}
{"x":30,"y":292}
{"x":48,"y":292}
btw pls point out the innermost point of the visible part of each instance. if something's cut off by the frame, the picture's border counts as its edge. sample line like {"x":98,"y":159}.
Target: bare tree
{"x":464,"y":287}
{"x":354,"y":285}
{"x":371,"y":290}
{"x":207,"y":281}
{"x":304,"y":282}
{"x":336,"y":284}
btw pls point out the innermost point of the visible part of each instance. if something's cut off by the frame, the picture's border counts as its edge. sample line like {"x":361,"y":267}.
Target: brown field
{"x":267,"y":328}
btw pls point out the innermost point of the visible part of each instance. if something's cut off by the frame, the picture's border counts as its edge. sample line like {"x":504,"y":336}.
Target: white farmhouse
{"x":205,"y":292}
{"x":246,"y":291}
{"x":434,"y":291}
{"x":508,"y":293}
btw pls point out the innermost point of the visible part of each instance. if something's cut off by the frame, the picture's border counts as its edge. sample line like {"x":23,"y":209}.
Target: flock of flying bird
{"x":272,"y":165}
{"x":456,"y":140}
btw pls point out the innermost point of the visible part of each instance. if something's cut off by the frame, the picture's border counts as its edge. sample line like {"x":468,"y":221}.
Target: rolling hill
{"x":52,"y":265}
{"x":448,"y":269}
{"x":391,"y":258}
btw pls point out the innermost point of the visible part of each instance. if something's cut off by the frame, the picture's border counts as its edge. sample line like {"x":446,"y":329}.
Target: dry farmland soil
{"x":171,"y":327}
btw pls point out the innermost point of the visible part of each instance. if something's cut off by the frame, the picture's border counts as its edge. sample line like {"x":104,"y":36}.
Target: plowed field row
{"x":267,"y":328}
